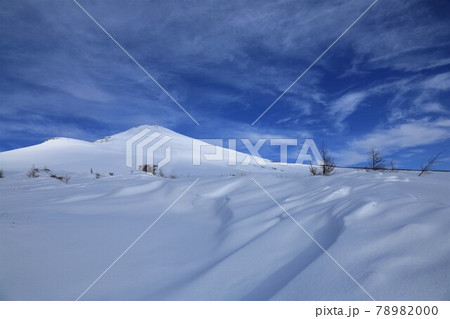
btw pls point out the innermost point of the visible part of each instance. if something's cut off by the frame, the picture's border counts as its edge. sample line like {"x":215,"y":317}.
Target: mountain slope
{"x":109,"y":155}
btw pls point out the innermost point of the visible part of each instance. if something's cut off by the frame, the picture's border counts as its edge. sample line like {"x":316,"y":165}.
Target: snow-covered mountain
{"x":230,"y":235}
{"x":108,"y":154}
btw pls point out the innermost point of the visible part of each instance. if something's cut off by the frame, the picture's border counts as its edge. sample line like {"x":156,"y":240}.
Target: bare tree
{"x":430,"y":163}
{"x":326,"y":166}
{"x":376,"y":160}
{"x":327,"y":161}
{"x":392,"y":166}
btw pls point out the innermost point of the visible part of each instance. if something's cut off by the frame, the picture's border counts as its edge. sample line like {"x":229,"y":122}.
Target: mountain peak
{"x":125,"y":135}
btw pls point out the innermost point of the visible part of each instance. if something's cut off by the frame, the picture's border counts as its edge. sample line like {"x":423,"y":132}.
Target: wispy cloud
{"x":392,"y":139}
{"x":226,"y":62}
{"x":438,"y":82}
{"x":344,"y":106}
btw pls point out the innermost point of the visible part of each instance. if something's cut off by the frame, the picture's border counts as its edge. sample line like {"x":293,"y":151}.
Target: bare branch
{"x":430,"y":163}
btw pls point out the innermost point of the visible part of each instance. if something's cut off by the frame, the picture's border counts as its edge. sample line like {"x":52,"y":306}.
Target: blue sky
{"x":385,"y":83}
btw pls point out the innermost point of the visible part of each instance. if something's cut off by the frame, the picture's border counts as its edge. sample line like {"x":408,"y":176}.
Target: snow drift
{"x":225,"y":239}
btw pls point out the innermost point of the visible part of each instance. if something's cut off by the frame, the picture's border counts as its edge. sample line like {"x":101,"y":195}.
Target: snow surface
{"x":225,"y":239}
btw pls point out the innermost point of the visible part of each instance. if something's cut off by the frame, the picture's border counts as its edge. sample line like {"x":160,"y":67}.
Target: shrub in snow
{"x":103,"y":139}
{"x":64,"y":179}
{"x":97,"y":175}
{"x":33,"y":172}
{"x":313,"y":170}
{"x":148,"y":168}
{"x":1,"y":173}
